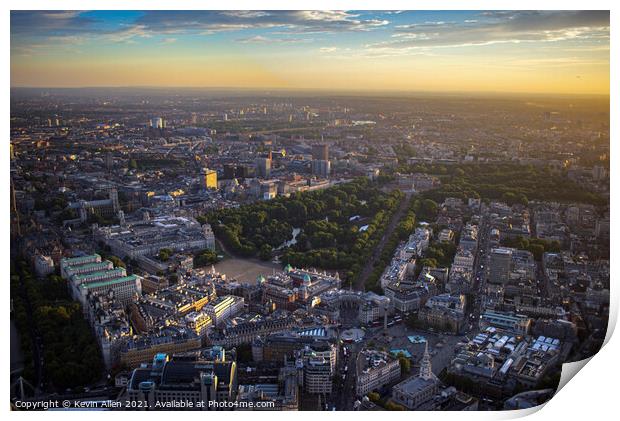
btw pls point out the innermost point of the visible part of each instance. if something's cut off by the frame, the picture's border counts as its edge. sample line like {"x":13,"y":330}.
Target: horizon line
{"x":339,"y":90}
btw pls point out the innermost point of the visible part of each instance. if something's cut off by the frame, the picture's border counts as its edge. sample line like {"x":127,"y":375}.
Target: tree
{"x":205,"y":258}
{"x":374,"y":397}
{"x":427,"y":210}
{"x":391,"y":406}
{"x":164,"y":255}
{"x":116,"y":261}
{"x":405,"y":364}
{"x":265,"y":252}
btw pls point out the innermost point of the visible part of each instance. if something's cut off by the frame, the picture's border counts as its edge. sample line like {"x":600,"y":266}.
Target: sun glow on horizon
{"x":564,"y":52}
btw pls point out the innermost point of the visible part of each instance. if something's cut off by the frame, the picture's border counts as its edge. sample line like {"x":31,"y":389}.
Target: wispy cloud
{"x":298,"y":21}
{"x":499,"y":28}
{"x":129,"y":34}
{"x":259,"y":39}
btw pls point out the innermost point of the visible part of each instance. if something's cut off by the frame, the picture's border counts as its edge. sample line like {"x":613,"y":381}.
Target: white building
{"x":374,"y":370}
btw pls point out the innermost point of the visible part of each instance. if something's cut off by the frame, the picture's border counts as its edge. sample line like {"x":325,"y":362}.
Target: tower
{"x":426,"y":368}
{"x":320,"y":152}
{"x":109,"y":161}
{"x":113,"y":195}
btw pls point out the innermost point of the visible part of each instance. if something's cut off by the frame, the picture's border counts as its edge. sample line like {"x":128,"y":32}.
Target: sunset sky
{"x":497,"y":51}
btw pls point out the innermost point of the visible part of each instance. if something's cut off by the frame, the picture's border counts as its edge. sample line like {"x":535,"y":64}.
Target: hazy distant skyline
{"x":563,"y":52}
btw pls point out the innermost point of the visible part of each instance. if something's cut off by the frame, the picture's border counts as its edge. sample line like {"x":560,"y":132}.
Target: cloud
{"x":297,"y":21}
{"x":500,"y":27}
{"x":39,"y":26}
{"x":50,"y":23}
{"x":129,"y":33}
{"x":30,"y":28}
{"x":259,"y":39}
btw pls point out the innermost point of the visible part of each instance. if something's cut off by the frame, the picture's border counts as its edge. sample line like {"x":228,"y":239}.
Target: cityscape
{"x":331,"y":227}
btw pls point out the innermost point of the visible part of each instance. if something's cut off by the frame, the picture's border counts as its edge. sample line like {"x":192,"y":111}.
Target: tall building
{"x":321,"y":168}
{"x":157,"y":123}
{"x":500,"y":265}
{"x":113,"y":197}
{"x":263,"y":167}
{"x":319,"y":366}
{"x":210,"y":178}
{"x":320,"y":152}
{"x":229,"y":171}
{"x":109,"y":161}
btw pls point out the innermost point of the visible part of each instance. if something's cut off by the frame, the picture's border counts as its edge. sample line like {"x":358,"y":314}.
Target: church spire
{"x":426,"y":369}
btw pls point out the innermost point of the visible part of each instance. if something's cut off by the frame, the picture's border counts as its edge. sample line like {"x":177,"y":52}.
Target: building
{"x":245,"y":332}
{"x":124,"y":289}
{"x":88,"y":275}
{"x":224,"y":308}
{"x":419,"y":390}
{"x":263,"y":167}
{"x":370,"y":306}
{"x":102,"y":207}
{"x":43,"y":265}
{"x":321,"y":168}
{"x":198,"y":322}
{"x":375,"y":369}
{"x":446,"y":235}
{"x":157,"y":123}
{"x":264,"y":189}
{"x":168,"y":340}
{"x":406,"y":296}
{"x":319,"y":367}
{"x":152,"y":283}
{"x":444,"y":312}
{"x":210,"y":178}
{"x":320,"y":152}
{"x":500,"y":265}
{"x":166,"y":381}
{"x":73,"y":263}
{"x":283,"y":395}
{"x":147,"y":237}
{"x":277,"y":347}
{"x":499,"y":362}
{"x":517,"y":324}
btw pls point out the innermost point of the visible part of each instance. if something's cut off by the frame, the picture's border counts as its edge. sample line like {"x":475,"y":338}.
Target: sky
{"x":559,"y":52}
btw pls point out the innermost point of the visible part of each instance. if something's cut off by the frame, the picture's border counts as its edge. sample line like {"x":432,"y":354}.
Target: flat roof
{"x":110,"y":282}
